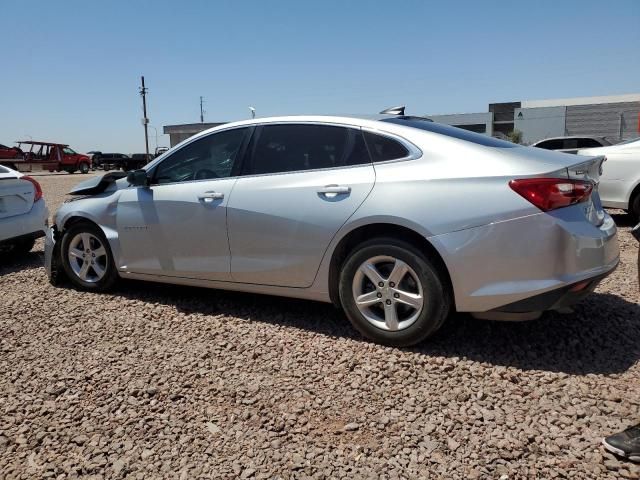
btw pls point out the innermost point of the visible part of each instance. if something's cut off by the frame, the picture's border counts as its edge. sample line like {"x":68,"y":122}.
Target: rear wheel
{"x":86,"y":257}
{"x":634,"y":207}
{"x":392,"y":294}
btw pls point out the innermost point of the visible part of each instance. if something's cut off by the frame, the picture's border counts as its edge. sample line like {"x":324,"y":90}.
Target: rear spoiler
{"x":96,"y":185}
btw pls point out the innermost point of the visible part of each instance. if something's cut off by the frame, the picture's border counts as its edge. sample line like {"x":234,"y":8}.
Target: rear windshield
{"x":3,"y":170}
{"x":448,"y":130}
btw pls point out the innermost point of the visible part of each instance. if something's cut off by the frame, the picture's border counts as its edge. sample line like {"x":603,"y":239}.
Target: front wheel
{"x":86,"y":257}
{"x":392,"y":294}
{"x":84,"y":168}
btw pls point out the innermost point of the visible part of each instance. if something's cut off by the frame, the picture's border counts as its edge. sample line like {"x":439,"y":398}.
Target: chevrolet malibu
{"x":397,"y":220}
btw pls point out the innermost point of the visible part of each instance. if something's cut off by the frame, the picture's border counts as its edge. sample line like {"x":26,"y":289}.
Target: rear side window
{"x":588,"y":143}
{"x":551,"y":144}
{"x":384,"y":148}
{"x":293,"y":148}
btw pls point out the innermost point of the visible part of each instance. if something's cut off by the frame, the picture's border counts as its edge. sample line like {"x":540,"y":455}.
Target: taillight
{"x":36,"y":185}
{"x":551,"y":193}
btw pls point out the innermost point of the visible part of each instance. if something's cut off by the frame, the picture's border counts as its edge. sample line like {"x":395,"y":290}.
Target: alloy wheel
{"x":87,"y":257}
{"x":388,"y":293}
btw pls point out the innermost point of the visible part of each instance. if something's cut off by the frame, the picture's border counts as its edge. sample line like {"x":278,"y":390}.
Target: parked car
{"x":398,"y":220}
{"x":160,"y":150}
{"x":23,"y":213}
{"x":138,"y":160}
{"x":571,"y":144}
{"x":109,"y":161}
{"x":620,"y":179}
{"x":49,"y":156}
{"x":10,"y":152}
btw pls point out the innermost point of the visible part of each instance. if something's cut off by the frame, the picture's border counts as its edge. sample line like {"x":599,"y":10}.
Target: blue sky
{"x":71,"y":70}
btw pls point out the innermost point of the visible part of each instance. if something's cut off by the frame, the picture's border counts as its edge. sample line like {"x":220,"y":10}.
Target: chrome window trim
{"x":414,"y":151}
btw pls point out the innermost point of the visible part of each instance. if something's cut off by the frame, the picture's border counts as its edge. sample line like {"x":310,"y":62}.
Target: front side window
{"x":68,"y":151}
{"x":293,"y":148}
{"x":207,"y":158}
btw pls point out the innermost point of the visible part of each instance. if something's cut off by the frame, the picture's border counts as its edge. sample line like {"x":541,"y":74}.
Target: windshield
{"x":448,"y":130}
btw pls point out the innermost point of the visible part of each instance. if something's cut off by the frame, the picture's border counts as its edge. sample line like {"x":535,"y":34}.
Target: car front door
{"x":176,"y":226}
{"x":300,"y":184}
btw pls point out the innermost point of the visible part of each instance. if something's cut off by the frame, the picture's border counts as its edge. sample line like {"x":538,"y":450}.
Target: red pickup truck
{"x":49,"y":156}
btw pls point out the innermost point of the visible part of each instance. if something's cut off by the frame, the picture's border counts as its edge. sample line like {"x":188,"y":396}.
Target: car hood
{"x":97,"y":185}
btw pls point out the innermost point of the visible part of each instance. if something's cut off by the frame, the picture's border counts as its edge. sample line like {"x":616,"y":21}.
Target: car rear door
{"x":176,"y":227}
{"x":300,"y":184}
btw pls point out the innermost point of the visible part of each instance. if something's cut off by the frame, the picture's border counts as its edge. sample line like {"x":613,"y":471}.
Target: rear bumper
{"x":557,"y":299}
{"x":27,"y":226}
{"x":537,"y":258}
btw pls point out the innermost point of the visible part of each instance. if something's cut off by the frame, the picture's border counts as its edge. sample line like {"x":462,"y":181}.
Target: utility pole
{"x":201,"y":112}
{"x":145,"y":120}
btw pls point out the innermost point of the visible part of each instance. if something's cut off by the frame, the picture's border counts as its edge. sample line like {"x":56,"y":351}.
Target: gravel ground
{"x":156,"y":381}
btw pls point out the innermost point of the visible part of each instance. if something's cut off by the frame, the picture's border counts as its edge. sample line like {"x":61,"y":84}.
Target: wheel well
{"x":367,"y":232}
{"x":77,"y":219}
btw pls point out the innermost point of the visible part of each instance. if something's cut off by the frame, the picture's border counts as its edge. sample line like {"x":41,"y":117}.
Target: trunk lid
{"x":16,"y":196}
{"x":590,"y":169}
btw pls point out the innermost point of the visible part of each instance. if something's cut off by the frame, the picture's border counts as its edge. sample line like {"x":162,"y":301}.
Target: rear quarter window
{"x":384,"y":148}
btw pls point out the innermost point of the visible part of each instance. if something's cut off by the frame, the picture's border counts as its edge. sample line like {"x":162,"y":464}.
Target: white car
{"x":620,"y":180}
{"x":23,"y":213}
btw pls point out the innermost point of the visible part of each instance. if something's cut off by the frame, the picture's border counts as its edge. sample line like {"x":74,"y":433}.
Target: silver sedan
{"x":397,"y":220}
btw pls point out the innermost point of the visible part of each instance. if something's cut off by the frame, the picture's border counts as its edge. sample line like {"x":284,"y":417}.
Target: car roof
{"x":367,"y":121}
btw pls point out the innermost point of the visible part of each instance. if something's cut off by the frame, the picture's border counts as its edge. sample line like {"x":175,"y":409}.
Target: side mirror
{"x":138,"y":178}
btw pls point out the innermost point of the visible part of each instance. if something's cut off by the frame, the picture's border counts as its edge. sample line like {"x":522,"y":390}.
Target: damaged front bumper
{"x":52,"y":256}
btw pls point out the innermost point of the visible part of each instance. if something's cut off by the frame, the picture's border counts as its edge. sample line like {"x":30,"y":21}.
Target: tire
{"x":84,"y":168}
{"x":24,"y":246}
{"x":421,"y":279}
{"x":21,"y":247}
{"x":99,"y":276}
{"x":634,"y":207}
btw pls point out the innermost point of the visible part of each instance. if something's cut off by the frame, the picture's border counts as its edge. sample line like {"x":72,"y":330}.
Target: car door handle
{"x":336,"y":189}
{"x":211,"y":196}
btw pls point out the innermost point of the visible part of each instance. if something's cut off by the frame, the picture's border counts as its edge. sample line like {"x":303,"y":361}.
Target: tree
{"x":515,"y":136}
